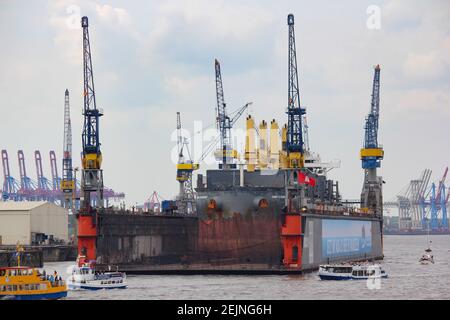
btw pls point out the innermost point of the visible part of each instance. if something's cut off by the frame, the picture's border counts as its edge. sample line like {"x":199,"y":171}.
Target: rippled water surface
{"x":407,"y":280}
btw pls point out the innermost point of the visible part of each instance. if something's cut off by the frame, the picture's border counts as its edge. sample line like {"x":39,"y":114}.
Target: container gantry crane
{"x":56,"y":179}
{"x":372,"y":154}
{"x":295,"y":131}
{"x":67,"y":182}
{"x":91,"y":159}
{"x":43,"y":184}
{"x":11,"y":186}
{"x":434,"y":210}
{"x":27,"y":186}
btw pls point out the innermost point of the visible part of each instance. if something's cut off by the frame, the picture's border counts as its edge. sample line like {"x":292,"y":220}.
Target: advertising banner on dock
{"x":342,"y":238}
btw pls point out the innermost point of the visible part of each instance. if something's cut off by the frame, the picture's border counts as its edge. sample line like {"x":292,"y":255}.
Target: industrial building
{"x":32,"y":222}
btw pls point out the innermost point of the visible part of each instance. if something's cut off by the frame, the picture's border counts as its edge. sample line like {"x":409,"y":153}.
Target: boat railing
{"x":58,"y":283}
{"x":53,"y":282}
{"x":322,"y":209}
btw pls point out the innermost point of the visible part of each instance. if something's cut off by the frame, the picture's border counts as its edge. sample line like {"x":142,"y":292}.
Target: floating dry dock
{"x":240,"y":230}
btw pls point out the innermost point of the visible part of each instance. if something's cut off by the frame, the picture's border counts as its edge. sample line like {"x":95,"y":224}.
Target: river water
{"x":408,"y":279}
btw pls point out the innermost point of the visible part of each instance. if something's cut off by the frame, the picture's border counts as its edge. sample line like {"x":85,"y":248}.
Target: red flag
{"x":303,"y":178}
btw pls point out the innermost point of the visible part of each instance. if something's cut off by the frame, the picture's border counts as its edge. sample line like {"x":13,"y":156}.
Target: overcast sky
{"x":153,"y":58}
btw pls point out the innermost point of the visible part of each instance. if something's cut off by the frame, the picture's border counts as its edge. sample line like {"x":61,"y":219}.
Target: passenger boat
{"x":27,"y":283}
{"x":85,"y":276}
{"x":351,"y":272}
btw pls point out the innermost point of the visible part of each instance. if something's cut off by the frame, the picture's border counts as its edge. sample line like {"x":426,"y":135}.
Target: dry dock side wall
{"x":141,"y":239}
{"x":331,"y":239}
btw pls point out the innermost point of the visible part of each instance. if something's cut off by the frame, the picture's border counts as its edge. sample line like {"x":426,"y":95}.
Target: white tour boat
{"x":86,"y":277}
{"x":351,"y":272}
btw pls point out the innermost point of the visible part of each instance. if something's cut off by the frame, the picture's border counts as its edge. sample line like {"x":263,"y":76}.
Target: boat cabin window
{"x":342,"y":270}
{"x":30,"y":287}
{"x":2,"y":273}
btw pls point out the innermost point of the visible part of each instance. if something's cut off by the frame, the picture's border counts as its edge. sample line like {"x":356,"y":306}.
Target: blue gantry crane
{"x":372,"y":153}
{"x":433,"y":206}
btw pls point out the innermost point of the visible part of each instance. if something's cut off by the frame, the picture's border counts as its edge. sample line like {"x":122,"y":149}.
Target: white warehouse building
{"x":26,"y":221}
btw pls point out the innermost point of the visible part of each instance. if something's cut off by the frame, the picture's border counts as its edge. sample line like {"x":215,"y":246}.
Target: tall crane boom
{"x":67,"y":182}
{"x":225,"y":154}
{"x":92,"y":180}
{"x":372,"y":154}
{"x":295,"y":142}
{"x":91,"y":143}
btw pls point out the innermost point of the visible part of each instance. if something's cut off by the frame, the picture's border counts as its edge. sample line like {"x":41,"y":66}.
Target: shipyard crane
{"x":235,"y":117}
{"x":185,"y":167}
{"x":67,"y":182}
{"x":226,"y":154}
{"x":372,"y":153}
{"x":295,"y":132}
{"x":91,"y":159}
